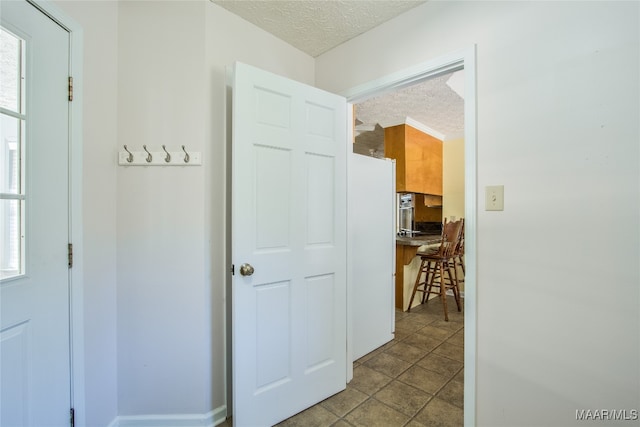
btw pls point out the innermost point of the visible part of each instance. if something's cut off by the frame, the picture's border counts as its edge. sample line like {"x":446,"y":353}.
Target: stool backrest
{"x":451,"y":235}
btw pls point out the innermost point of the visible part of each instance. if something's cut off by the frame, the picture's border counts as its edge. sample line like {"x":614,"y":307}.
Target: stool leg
{"x":432,"y":270}
{"x":454,"y":285}
{"x":443,"y":293}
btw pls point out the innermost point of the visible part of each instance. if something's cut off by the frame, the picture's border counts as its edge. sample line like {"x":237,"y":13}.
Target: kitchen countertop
{"x":419,"y":240}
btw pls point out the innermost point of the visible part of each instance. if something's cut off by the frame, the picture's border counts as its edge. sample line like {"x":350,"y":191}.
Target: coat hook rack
{"x":165,"y":157}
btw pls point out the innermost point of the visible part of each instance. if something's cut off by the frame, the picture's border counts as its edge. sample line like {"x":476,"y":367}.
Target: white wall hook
{"x":159,"y":158}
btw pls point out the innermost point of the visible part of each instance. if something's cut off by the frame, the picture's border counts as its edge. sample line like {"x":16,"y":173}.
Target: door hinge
{"x":72,"y":417}
{"x":233,"y":269}
{"x":70,"y":88}
{"x":70,"y":254}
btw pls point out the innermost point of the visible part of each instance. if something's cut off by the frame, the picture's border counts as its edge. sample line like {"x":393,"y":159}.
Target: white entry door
{"x":34,"y":220}
{"x":288,"y":246}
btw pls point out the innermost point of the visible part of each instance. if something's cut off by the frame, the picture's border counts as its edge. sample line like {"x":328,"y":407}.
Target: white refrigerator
{"x":372,"y":232}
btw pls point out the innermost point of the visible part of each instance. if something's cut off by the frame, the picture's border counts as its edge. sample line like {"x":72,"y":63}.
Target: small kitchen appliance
{"x":406,"y":210}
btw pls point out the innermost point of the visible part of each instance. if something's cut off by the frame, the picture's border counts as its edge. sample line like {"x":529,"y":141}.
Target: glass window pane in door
{"x":11,"y":238}
{"x":10,"y":71}
{"x":12,"y":159}
{"x":10,"y":156}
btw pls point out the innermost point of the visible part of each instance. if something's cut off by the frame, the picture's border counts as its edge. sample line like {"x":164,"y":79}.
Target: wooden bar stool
{"x":438,"y":268}
{"x":458,"y":259}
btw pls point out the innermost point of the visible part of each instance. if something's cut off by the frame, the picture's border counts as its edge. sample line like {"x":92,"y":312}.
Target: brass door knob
{"x":246,"y":269}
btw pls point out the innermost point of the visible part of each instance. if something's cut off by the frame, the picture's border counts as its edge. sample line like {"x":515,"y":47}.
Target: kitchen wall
{"x":453,"y":178}
{"x":557,"y":109}
{"x":154,"y":74}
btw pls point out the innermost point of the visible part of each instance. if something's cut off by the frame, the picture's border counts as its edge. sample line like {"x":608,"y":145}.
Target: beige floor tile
{"x":368,"y":380}
{"x":451,"y":351}
{"x":407,"y":352}
{"x":428,"y":312}
{"x":315,"y":416}
{"x":399,"y":335}
{"x":454,"y":324}
{"x":459,"y":376}
{"x":370,"y":355}
{"x":457,"y":338}
{"x":440,"y":364}
{"x":432,"y":331}
{"x":388,"y":364}
{"x":411,"y":323}
{"x":439,"y":413}
{"x":453,"y":393}
{"x":403,"y":397}
{"x":422,"y":341}
{"x":414,"y":423}
{"x":373,"y":413}
{"x":425,"y":380}
{"x":343,"y":402}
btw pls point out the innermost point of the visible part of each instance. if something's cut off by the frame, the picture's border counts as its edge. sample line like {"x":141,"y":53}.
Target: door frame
{"x":462,"y":59}
{"x":76,"y":284}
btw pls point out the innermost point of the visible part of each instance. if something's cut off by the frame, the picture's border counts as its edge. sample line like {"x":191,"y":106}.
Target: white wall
{"x":557,"y":275}
{"x":154,"y":74}
{"x":171,"y":268}
{"x":99,"y":22}
{"x":164,"y":340}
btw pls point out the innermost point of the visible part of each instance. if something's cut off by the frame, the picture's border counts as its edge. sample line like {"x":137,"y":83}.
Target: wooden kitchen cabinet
{"x":418,"y":159}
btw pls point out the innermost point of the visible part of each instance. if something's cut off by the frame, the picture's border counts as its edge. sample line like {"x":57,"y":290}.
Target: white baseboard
{"x":450,"y":293}
{"x":210,"y":419}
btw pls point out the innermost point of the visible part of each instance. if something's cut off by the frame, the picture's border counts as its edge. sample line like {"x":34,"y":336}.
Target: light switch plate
{"x":494,"y":198}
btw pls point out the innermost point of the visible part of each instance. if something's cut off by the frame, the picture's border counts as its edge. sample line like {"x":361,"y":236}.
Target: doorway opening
{"x":463,"y":60}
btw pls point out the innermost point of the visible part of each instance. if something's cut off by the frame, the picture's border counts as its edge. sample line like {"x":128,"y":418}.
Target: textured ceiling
{"x":435,"y":106}
{"x":433,"y":103}
{"x":316,"y":26}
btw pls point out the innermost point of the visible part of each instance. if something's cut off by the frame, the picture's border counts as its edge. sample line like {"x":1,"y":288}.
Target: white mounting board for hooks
{"x":158,"y":158}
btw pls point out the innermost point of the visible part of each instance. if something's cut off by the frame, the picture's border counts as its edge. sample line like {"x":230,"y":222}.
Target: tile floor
{"x":414,"y":380}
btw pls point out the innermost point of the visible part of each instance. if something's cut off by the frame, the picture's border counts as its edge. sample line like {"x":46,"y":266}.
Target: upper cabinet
{"x":418,"y":159}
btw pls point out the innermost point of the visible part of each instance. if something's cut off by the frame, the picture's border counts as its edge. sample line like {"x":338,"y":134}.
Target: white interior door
{"x":289,"y":226}
{"x":34,"y":284}
{"x":372,"y":200}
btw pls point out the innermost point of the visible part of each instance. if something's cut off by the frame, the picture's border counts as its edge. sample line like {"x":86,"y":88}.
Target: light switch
{"x":494,"y":198}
